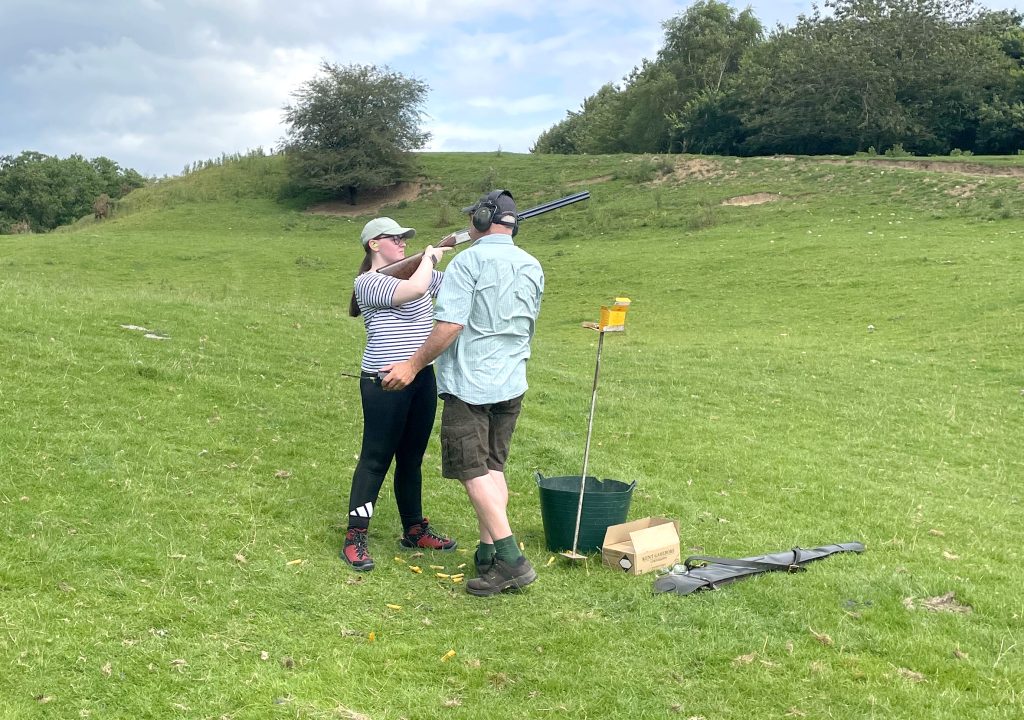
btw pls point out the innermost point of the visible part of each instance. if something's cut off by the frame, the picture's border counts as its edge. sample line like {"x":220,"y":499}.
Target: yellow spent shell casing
{"x":448,"y":656}
{"x":442,"y":575}
{"x":437,"y":567}
{"x":399,"y":560}
{"x":415,"y":568}
{"x":393,"y":606}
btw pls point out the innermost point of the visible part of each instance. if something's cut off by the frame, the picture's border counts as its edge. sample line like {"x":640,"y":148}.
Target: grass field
{"x":843,"y":363}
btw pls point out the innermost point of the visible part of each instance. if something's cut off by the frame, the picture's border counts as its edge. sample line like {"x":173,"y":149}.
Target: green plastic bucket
{"x":605,"y":503}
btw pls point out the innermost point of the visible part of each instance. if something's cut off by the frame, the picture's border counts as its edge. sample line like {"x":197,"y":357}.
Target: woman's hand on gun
{"x":434,"y":253}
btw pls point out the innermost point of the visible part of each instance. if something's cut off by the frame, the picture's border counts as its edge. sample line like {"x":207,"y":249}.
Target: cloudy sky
{"x":158,"y":84}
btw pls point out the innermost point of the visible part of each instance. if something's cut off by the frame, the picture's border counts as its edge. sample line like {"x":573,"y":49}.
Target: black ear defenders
{"x":488,"y":213}
{"x":483,"y":215}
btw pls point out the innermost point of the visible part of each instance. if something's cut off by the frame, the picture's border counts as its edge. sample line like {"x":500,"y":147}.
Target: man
{"x":485,"y":314}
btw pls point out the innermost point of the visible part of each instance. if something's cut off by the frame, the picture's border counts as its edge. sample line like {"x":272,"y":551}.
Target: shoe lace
{"x":359,"y":540}
{"x":429,"y":532}
{"x":425,"y":531}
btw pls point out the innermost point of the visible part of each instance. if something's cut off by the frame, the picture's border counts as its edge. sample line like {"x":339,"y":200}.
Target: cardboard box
{"x":641,"y":545}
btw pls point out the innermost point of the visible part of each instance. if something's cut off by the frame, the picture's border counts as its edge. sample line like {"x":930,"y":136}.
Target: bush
{"x":704,"y":218}
{"x":444,"y":218}
{"x":643,"y":170}
{"x":489,"y":181}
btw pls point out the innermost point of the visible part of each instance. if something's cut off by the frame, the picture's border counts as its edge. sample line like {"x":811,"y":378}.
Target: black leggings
{"x":396,"y":426}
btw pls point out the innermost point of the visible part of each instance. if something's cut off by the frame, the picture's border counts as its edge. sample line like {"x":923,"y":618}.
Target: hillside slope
{"x":816,"y":352}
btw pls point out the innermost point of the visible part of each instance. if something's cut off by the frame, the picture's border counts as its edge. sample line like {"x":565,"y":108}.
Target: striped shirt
{"x":493,"y":289}
{"x":393,"y":334}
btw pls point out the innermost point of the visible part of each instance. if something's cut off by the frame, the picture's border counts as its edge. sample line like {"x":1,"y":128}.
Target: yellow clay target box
{"x":613,"y":317}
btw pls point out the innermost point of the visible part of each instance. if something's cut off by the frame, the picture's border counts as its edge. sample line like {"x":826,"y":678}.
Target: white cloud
{"x":453,"y":137}
{"x":156,"y":85}
{"x":111,"y":110}
{"x":517,"y":106}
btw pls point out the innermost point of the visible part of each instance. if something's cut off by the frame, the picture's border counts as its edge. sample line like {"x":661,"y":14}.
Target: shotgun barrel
{"x":554,"y":205}
{"x":403,"y":269}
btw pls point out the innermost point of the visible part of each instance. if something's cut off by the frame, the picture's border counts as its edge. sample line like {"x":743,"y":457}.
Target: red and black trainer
{"x":354,"y":551}
{"x":423,"y":537}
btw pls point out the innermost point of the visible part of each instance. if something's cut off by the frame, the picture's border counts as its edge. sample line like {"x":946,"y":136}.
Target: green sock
{"x":484,"y":552}
{"x":507,"y":549}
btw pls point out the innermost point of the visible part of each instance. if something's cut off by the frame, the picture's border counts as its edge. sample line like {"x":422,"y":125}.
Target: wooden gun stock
{"x":403,"y":269}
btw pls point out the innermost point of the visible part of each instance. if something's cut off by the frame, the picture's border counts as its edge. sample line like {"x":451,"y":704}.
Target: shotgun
{"x":403,"y":269}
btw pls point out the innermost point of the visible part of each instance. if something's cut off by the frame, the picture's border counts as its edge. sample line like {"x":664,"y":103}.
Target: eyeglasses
{"x":396,"y":239}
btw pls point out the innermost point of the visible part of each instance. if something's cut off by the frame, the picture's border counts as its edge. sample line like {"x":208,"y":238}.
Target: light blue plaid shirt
{"x":493,"y":290}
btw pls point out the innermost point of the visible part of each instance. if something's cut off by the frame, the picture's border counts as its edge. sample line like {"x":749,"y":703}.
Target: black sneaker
{"x":501,"y":577}
{"x":354,"y":552}
{"x":423,"y":537}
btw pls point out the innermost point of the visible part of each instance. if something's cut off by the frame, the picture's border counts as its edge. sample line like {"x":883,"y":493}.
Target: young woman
{"x":398,"y":315}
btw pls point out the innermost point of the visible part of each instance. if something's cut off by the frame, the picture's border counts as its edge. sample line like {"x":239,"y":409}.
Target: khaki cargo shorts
{"x":476,"y":438}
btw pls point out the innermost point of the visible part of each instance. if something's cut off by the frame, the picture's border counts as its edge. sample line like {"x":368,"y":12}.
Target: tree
{"x":43,"y":192}
{"x":647,"y":103}
{"x":874,"y":74}
{"x":595,"y":128}
{"x":703,"y":49}
{"x":673,"y":103}
{"x":353,"y":128}
{"x":1001,"y":118}
{"x":929,"y":75}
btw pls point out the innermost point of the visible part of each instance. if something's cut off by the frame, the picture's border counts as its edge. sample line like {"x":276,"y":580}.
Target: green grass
{"x":149,"y":537}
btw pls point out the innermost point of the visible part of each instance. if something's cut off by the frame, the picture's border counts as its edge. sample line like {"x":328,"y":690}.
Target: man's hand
{"x":398,"y":375}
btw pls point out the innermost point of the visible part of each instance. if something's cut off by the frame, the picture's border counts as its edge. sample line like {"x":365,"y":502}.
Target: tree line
{"x":40,"y":192}
{"x":926,"y":77}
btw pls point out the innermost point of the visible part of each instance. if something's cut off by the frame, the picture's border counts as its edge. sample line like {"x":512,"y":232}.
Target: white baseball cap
{"x":384,"y":226}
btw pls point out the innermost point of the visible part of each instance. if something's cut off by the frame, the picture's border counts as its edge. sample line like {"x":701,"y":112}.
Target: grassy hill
{"x":840,"y":361}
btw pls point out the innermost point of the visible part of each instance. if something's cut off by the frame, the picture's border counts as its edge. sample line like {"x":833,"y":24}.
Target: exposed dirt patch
{"x":755,"y":199}
{"x":369,"y":203}
{"x":942,"y":603}
{"x":696,"y":168}
{"x":962,"y":191}
{"x":685,"y":168}
{"x":962,"y":168}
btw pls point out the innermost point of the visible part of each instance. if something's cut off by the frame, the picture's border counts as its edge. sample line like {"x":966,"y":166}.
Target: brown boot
{"x":502,"y":576}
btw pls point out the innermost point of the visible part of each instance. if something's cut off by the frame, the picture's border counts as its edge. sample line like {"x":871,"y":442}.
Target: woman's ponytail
{"x":353,"y":306}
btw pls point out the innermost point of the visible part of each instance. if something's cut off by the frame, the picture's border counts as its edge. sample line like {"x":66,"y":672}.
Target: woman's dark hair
{"x":353,"y":306}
